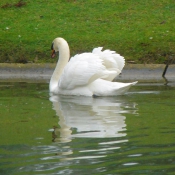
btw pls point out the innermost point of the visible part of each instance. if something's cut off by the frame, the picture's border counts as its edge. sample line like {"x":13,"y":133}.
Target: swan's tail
{"x":122,"y":90}
{"x":106,"y":88}
{"x":134,"y":83}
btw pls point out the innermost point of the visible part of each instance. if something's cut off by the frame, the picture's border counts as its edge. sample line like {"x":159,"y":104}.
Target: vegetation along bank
{"x":141,"y":31}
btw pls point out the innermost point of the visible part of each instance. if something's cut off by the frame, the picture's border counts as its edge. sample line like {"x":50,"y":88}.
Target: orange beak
{"x":53,"y":54}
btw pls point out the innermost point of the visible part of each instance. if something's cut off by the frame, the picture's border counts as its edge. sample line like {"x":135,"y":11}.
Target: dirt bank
{"x":43,"y":72}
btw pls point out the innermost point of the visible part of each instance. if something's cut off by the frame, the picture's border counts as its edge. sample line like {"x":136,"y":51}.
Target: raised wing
{"x":112,"y":60}
{"x":82,"y":69}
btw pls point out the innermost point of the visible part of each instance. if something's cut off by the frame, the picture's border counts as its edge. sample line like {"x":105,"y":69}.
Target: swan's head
{"x":53,"y":50}
{"x":56,"y":44}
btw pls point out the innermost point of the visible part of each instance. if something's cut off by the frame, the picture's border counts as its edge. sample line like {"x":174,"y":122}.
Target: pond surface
{"x":131,"y":134}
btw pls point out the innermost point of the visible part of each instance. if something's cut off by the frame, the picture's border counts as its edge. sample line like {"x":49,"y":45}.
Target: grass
{"x":141,"y":31}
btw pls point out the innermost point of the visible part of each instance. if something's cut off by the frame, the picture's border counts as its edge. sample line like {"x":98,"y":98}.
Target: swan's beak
{"x":53,"y":53}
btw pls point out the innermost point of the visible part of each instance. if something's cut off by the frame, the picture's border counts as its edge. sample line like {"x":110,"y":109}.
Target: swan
{"x":86,"y":74}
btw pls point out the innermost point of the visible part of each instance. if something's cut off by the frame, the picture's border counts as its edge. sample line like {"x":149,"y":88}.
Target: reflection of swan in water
{"x":89,"y":117}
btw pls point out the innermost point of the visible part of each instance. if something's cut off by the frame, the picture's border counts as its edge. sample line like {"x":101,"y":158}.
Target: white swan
{"x":87,"y":74}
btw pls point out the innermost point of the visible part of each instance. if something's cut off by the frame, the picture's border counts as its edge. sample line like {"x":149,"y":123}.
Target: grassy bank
{"x":141,"y":31}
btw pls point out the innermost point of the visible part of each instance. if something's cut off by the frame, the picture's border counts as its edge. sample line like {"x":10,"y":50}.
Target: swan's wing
{"x":81,"y":70}
{"x":84,"y":68}
{"x":111,"y":59}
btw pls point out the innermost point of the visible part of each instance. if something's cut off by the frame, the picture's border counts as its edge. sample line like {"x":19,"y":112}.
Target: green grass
{"x":141,"y":31}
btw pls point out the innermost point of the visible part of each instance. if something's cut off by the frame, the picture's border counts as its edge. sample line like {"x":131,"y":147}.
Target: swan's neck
{"x":63,"y":59}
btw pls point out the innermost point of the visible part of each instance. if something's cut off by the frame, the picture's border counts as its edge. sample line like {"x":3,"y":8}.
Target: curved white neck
{"x":63,"y":58}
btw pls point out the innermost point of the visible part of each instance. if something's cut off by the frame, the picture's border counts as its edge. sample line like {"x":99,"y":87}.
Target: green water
{"x":131,"y":134}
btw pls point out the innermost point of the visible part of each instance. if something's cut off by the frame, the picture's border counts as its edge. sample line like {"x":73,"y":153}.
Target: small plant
{"x":7,"y":5}
{"x":20,"y":3}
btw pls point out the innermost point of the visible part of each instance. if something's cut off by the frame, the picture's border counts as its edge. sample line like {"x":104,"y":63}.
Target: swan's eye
{"x":52,"y":46}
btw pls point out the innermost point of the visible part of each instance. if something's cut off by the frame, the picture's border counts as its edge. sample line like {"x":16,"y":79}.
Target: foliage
{"x":141,"y":31}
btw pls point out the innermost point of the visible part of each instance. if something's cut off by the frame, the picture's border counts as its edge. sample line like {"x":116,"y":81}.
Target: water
{"x":131,"y":134}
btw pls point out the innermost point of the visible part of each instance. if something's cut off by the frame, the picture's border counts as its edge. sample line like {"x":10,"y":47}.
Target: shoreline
{"x":43,"y":71}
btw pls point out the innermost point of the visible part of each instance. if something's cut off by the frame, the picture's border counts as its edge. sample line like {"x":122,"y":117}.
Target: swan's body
{"x":87,"y":74}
